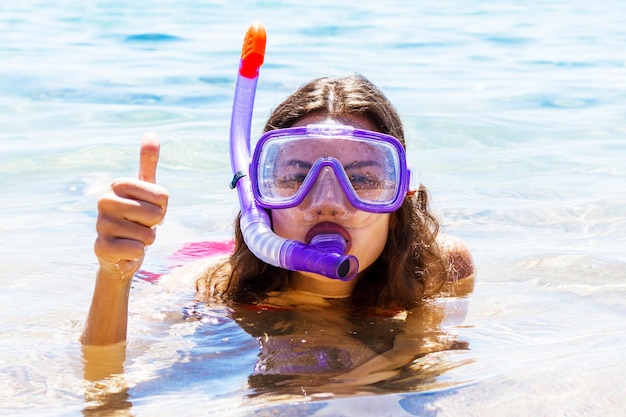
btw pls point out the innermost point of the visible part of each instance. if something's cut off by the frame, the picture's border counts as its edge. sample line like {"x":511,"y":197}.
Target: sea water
{"x":514,"y":117}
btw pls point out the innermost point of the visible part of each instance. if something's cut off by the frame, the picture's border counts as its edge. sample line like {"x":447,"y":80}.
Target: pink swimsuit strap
{"x":189,"y":252}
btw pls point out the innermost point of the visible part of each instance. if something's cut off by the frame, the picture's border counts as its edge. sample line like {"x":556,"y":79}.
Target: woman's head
{"x":408,"y":263}
{"x":355,"y":101}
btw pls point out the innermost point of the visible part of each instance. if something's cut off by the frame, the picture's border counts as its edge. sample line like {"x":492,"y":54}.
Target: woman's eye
{"x":291,"y":181}
{"x":364,"y":182}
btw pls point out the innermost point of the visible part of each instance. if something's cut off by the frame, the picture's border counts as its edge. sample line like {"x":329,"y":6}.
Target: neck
{"x":320,"y":285}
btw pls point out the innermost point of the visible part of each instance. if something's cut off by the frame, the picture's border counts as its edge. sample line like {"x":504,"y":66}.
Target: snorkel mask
{"x":369,"y":167}
{"x":261,"y":184}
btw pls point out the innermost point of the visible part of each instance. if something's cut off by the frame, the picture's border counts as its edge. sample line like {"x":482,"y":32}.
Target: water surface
{"x":515,"y":120}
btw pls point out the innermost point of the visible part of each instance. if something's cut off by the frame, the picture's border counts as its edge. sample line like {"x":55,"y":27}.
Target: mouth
{"x":326,"y":228}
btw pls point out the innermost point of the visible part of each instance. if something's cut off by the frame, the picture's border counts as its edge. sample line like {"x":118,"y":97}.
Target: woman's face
{"x":326,"y":209}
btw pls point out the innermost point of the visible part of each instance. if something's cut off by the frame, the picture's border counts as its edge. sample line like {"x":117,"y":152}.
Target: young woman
{"x":402,"y":257}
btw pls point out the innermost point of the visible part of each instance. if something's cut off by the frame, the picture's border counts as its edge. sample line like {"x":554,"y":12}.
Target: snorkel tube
{"x":325,"y":255}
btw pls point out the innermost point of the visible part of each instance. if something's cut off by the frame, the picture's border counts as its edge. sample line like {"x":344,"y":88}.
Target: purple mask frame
{"x":340,"y":132}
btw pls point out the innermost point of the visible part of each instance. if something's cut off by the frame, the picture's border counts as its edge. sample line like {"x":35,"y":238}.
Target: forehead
{"x":342,"y":149}
{"x":357,"y":122}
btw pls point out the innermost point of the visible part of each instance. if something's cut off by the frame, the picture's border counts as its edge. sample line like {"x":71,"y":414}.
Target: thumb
{"x":149,"y":157}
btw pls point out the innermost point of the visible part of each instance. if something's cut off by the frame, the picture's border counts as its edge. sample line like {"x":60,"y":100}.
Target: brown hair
{"x":411,"y":265}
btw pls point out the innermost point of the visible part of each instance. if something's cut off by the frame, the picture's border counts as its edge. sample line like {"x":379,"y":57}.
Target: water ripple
{"x":151,"y":38}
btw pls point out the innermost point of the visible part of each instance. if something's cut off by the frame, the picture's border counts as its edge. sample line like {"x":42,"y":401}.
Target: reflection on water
{"x":107,"y":397}
{"x":312,"y":352}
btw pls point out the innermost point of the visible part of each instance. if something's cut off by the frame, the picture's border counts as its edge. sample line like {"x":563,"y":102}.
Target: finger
{"x":134,"y":189}
{"x":141,"y":212}
{"x":149,"y":157}
{"x":114,"y":250}
{"x":115,"y":228}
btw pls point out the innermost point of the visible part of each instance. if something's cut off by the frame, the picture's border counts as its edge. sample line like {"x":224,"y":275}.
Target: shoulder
{"x":194,"y":272}
{"x":461,"y":265}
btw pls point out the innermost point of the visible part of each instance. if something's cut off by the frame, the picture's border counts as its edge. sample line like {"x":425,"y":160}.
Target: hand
{"x":128,"y":215}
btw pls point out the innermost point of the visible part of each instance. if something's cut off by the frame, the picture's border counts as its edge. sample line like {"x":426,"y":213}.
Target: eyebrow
{"x":291,"y":162}
{"x":353,"y":165}
{"x":362,"y":164}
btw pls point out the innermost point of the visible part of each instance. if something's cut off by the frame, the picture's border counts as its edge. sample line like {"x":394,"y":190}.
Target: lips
{"x":326,"y":228}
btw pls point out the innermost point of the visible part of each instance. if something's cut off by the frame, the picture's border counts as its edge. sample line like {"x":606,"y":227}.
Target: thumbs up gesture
{"x":128,"y":214}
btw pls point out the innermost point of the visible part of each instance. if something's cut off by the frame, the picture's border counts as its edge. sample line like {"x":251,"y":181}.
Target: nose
{"x":326,"y":197}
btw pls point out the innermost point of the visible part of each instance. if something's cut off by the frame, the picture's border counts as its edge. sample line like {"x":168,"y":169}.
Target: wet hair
{"x":411,"y":266}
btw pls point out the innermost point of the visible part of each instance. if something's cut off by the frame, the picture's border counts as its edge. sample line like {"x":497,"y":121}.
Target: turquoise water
{"x":515,"y":118}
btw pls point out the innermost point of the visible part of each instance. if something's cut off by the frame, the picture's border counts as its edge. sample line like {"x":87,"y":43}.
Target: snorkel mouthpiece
{"x":334,"y":245}
{"x":326,"y":253}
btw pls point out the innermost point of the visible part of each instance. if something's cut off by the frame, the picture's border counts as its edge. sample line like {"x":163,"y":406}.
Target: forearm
{"x":108,"y":316}
{"x":127,"y":216}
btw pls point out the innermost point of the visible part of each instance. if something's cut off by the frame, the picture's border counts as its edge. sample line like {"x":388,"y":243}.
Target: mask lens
{"x":288,"y":164}
{"x":373,"y":177}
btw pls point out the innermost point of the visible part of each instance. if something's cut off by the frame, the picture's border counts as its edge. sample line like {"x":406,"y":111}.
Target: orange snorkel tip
{"x":253,"y":51}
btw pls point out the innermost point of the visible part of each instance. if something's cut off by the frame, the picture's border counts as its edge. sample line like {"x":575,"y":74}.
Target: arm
{"x":127,"y":215}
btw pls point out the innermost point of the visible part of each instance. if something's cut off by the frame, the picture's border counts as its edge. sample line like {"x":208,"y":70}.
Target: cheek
{"x":287,"y":224}
{"x":370,"y":241}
